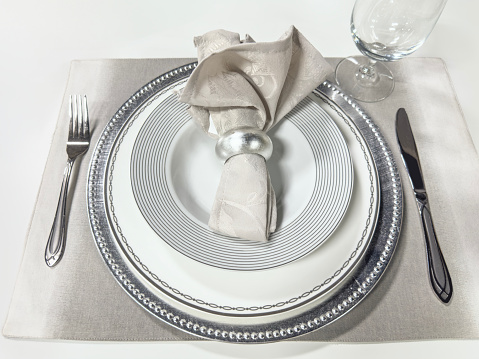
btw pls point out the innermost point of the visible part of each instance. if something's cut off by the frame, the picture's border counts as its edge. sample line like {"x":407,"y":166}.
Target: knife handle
{"x":438,"y":272}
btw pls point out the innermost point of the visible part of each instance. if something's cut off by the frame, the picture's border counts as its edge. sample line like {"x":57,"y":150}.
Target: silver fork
{"x":77,"y":144}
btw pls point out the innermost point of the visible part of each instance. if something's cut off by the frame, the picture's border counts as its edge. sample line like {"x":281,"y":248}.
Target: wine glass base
{"x":363,"y":79}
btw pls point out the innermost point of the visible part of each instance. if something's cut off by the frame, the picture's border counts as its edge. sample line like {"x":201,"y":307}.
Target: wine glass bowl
{"x":384,"y":30}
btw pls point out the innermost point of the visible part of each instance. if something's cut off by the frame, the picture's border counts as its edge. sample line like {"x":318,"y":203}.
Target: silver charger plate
{"x":204,"y":298}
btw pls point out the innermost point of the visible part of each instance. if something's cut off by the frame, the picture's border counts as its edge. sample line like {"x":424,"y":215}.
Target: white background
{"x":38,"y":39}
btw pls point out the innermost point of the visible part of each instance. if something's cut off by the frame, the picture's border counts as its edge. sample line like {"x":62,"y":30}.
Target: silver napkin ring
{"x":244,"y":140}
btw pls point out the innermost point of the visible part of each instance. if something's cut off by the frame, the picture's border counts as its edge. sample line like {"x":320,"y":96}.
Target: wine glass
{"x":384,"y":30}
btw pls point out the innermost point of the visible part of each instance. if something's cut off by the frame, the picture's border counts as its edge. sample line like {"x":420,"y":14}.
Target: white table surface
{"x":38,"y":40}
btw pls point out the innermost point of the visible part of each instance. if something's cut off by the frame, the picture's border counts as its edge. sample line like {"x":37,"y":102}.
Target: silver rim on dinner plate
{"x":348,"y":293}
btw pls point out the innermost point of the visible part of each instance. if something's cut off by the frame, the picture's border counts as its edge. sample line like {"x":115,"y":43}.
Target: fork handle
{"x":56,"y":241}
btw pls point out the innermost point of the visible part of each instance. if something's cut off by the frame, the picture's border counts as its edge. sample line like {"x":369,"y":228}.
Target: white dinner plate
{"x":167,"y":164}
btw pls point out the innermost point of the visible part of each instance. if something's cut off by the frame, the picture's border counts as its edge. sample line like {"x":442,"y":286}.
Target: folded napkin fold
{"x":248,"y":86}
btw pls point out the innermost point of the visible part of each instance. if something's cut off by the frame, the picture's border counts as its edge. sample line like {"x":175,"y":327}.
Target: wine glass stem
{"x":366,"y":75}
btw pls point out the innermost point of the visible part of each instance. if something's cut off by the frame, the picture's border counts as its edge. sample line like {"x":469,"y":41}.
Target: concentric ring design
{"x":319,"y":218}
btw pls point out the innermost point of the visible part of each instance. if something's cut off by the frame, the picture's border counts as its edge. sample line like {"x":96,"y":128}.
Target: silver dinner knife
{"x":438,"y":272}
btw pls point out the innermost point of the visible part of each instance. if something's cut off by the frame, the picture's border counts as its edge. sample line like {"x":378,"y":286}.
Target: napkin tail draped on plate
{"x":245,"y":203}
{"x":244,"y":84}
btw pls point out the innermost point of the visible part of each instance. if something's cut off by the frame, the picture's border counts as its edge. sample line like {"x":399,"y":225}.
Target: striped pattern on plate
{"x":319,"y":217}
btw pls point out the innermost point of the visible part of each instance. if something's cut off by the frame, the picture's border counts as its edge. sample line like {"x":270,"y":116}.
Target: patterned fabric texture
{"x":241,"y":83}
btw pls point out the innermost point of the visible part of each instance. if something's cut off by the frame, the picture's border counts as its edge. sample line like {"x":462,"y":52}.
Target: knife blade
{"x":438,"y":273}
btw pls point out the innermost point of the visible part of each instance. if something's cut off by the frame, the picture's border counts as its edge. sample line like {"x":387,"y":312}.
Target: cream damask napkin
{"x":240,"y":84}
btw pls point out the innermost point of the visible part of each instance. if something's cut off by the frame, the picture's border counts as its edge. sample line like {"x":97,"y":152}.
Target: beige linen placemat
{"x":79,"y":299}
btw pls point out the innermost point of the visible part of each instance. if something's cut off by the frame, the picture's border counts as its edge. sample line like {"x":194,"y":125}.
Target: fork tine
{"x":75,"y":116}
{"x":70,"y":114}
{"x":86,"y":119}
{"x":79,"y":133}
